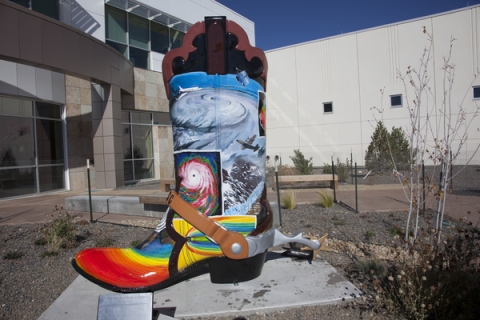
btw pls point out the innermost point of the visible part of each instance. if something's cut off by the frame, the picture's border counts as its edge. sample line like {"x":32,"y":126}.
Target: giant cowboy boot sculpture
{"x":219,"y":214}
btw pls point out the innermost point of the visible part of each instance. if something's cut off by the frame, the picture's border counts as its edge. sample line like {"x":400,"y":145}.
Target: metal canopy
{"x":150,"y":13}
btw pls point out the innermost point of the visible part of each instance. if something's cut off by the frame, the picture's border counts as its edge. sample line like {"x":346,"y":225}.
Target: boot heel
{"x":224,"y":270}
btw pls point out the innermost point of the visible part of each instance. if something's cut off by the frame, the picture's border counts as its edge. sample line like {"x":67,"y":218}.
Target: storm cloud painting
{"x":218,"y":113}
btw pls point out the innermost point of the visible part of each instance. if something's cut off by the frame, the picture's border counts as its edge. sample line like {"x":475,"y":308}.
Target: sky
{"x":280,"y":23}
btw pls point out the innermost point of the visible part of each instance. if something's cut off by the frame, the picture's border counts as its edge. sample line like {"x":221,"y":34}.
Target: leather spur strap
{"x":233,"y":244}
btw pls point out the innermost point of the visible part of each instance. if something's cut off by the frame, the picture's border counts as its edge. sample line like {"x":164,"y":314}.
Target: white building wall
{"x":350,"y":70}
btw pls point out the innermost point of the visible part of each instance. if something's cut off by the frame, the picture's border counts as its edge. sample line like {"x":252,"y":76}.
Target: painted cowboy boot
{"x":219,"y":215}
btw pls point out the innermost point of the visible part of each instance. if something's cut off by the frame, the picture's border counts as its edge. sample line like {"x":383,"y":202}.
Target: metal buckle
{"x":170,"y":197}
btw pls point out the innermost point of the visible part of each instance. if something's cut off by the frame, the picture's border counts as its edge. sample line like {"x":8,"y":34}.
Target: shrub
{"x":369,"y":234}
{"x":289,"y":199}
{"x":372,"y":267}
{"x":302,"y":165}
{"x":60,"y":233}
{"x":325,"y":199}
{"x":49,"y":254}
{"x":396,"y":231}
{"x":342,"y":170}
{"x":104,"y":242}
{"x":380,"y":156}
{"x":12,"y":255}
{"x":135,"y":243}
{"x":327,"y":168}
{"x":434,"y":282}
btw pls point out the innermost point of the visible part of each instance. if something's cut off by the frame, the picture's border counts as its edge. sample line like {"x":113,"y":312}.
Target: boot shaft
{"x":215,"y":83}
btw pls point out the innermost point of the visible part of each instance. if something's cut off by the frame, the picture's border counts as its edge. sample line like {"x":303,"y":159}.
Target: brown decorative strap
{"x":233,"y":244}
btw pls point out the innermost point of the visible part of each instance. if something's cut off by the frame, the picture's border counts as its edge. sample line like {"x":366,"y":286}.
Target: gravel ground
{"x":30,"y":284}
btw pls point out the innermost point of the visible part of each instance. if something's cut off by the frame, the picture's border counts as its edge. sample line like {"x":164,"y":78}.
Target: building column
{"x":107,"y":140}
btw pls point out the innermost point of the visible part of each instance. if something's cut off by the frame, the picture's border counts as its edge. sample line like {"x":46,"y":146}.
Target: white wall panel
{"x":43,"y":79}
{"x":26,"y":80}
{"x":8,"y":77}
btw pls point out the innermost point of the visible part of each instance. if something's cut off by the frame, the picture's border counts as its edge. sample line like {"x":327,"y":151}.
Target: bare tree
{"x":436,"y":132}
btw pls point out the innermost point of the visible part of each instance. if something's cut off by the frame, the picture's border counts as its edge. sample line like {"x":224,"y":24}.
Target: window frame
{"x":128,"y":45}
{"x":476,"y":88}
{"x":325,"y":104}
{"x":130,"y":123}
{"x":393,"y":96}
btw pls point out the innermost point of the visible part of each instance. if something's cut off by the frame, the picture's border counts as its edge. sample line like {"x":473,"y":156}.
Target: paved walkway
{"x":376,"y":198}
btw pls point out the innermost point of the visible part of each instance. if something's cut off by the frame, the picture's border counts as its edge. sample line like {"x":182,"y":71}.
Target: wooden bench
{"x":158,"y":197}
{"x":307,"y":178}
{"x":166,"y":184}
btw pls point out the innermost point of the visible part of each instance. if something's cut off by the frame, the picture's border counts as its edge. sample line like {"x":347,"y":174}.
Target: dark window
{"x":328,"y":107}
{"x":476,"y":92}
{"x":159,"y":37}
{"x":46,"y":7}
{"x":119,"y":47}
{"x":177,"y":38}
{"x":396,"y":100}
{"x":139,"y":58}
{"x":161,"y":118}
{"x":23,"y":3}
{"x":116,"y":28}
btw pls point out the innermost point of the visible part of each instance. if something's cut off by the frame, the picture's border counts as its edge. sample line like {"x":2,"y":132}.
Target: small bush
{"x":302,"y":165}
{"x":135,"y":243}
{"x":289,"y":199}
{"x":104,"y":242}
{"x":41,"y":242}
{"x":434,"y":281}
{"x":12,"y":255}
{"x":372,"y":267}
{"x":47,"y":254}
{"x":325,"y":199}
{"x":60,"y":233}
{"x":369,"y":234}
{"x":396,"y":231}
{"x":342,"y":170}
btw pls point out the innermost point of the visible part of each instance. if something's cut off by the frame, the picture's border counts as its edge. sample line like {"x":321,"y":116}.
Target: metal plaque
{"x":134,"y":306}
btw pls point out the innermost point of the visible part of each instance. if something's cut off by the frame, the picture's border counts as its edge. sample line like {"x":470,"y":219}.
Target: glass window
{"x":127,"y":142}
{"x":161,"y":118}
{"x":15,"y":107}
{"x":476,"y":92}
{"x":49,"y":141}
{"x":119,"y":47}
{"x":51,"y":178}
{"x":143,"y":169}
{"x":17,"y":142}
{"x":31,"y":146}
{"x":138,"y":157}
{"x":116,"y":21}
{"x":396,"y":100}
{"x":142,"y":142}
{"x":138,"y":31}
{"x":46,"y":7}
{"x":159,"y":37}
{"x":177,"y":38}
{"x":140,"y":117}
{"x":17,"y":182}
{"x":139,"y":58}
{"x":23,"y":3}
{"x":46,"y":110}
{"x":128,"y":170}
{"x":328,"y":107}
